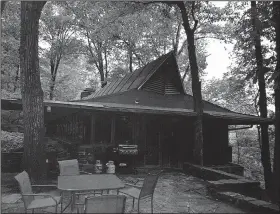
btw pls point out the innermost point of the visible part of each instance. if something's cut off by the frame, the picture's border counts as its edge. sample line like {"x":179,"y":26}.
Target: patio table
{"x":94,"y":182}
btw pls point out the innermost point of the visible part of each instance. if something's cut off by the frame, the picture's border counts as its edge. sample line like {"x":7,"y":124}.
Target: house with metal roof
{"x":145,"y":116}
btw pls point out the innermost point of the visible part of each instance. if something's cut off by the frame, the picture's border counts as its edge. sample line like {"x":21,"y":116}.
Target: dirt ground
{"x":175,"y":193}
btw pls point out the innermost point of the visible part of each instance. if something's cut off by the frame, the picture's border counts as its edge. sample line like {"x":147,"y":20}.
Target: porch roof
{"x":229,"y":117}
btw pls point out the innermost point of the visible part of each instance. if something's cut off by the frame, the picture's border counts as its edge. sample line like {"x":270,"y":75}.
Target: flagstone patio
{"x":175,"y":193}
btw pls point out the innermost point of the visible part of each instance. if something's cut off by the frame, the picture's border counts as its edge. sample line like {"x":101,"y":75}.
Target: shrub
{"x":11,"y":141}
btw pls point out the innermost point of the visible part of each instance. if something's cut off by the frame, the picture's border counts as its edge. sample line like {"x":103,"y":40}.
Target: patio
{"x":175,"y":193}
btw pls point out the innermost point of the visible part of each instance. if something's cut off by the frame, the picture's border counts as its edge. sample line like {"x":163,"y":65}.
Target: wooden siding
{"x":155,"y":84}
{"x":170,"y":88}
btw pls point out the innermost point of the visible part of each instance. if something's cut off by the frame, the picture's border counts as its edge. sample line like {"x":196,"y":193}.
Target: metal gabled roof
{"x":132,"y":80}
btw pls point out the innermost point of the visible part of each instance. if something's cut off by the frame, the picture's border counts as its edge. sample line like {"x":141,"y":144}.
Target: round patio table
{"x":94,"y":182}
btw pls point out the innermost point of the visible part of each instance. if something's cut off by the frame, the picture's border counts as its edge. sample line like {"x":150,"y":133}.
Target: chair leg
{"x":61,"y":202}
{"x":73,"y":202}
{"x":56,"y":208}
{"x":138,"y":209}
{"x":152,"y":205}
{"x":133,"y":202}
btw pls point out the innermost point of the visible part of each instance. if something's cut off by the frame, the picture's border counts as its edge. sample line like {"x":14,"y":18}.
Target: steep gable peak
{"x":166,"y":79}
{"x":163,"y":68}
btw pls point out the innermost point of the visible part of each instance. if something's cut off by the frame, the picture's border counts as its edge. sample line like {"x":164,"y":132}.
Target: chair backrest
{"x":105,"y":204}
{"x":25,"y":187}
{"x":69,"y":167}
{"x":149,"y":184}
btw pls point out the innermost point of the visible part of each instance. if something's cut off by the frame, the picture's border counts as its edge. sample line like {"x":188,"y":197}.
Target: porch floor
{"x":175,"y":193}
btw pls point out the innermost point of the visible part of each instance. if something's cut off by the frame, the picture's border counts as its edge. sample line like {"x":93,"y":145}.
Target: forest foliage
{"x":84,"y":44}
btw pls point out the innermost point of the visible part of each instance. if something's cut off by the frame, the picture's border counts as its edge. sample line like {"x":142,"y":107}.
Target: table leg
{"x":68,"y":203}
{"x":73,"y":201}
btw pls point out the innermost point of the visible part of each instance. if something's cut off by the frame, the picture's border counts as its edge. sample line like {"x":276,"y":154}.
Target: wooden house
{"x":148,"y":108}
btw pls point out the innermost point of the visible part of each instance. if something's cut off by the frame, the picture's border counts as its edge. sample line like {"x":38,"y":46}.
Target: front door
{"x":152,"y":146}
{"x":168,"y":143}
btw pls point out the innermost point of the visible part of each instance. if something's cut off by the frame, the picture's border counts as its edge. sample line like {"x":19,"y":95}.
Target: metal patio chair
{"x":70,"y":167}
{"x":105,"y":204}
{"x":142,"y":192}
{"x":31,"y":200}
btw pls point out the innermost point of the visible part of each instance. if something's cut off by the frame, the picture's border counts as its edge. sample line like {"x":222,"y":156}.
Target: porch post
{"x":160,"y":145}
{"x":113,"y":130}
{"x":92,"y":128}
{"x":135,"y":129}
{"x":144,"y":125}
{"x":198,"y":152}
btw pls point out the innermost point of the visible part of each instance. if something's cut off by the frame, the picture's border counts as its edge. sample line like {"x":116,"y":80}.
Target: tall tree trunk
{"x":16,"y":79}
{"x":186,"y":72}
{"x":106,"y":63}
{"x":276,"y":162}
{"x":238,"y":150}
{"x":130,"y":59}
{"x":196,"y":84}
{"x":54,"y":68}
{"x":31,"y":91}
{"x":100,"y":64}
{"x":3,"y":3}
{"x":52,"y":82}
{"x":265,"y":152}
{"x":177,"y":39}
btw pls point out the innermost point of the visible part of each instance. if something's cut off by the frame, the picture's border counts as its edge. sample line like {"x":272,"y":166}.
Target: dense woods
{"x":67,"y":46}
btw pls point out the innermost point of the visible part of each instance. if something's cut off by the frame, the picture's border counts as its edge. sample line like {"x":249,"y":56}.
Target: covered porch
{"x":164,"y":136}
{"x":161,"y":140}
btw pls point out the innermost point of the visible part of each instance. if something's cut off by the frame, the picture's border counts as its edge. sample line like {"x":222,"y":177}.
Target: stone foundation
{"x":248,"y":203}
{"x":232,"y":187}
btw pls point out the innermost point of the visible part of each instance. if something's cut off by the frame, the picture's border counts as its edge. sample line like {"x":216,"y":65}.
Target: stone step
{"x":248,"y":203}
{"x":208,"y":173}
{"x":234,"y":184}
{"x":233,"y":181}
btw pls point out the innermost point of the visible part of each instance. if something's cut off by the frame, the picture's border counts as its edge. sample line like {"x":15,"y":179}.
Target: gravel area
{"x":174,"y":193}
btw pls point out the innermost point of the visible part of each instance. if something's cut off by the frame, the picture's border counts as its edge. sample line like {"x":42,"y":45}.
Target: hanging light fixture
{"x":49,"y":108}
